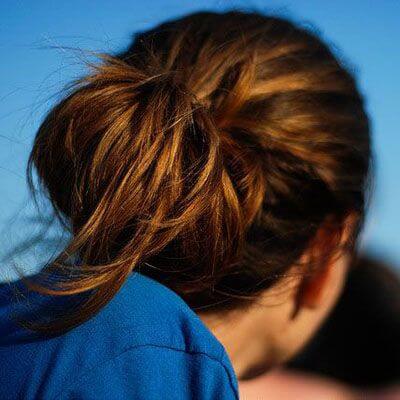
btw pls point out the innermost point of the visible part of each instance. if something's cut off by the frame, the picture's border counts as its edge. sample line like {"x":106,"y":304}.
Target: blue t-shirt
{"x":147,"y":343}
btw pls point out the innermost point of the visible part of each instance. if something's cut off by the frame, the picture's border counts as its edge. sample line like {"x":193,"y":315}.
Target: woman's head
{"x":211,"y":155}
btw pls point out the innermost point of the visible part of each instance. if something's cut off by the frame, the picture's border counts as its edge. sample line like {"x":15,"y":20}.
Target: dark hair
{"x":206,"y":156}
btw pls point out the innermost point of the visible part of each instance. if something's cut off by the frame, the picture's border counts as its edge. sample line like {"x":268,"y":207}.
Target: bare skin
{"x":266,"y":334}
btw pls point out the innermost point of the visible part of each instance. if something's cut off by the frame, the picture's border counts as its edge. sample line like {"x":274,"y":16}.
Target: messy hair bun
{"x":206,"y":156}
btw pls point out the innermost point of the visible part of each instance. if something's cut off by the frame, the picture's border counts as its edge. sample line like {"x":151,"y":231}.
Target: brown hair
{"x":206,"y":156}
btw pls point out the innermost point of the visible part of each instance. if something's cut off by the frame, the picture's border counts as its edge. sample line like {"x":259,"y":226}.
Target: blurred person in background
{"x":214,"y":179}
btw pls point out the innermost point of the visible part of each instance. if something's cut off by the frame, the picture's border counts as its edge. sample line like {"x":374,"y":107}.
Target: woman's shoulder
{"x":144,"y":311}
{"x":148,"y":312}
{"x":144,"y":330}
{"x":154,"y":314}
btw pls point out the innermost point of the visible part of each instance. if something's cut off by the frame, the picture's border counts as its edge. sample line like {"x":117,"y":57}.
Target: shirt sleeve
{"x":153,"y":372}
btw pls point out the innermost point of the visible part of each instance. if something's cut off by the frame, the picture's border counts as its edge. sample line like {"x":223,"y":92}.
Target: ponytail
{"x":135,"y":163}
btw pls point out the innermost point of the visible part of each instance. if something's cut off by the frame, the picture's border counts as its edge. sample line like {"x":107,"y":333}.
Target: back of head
{"x":206,"y":155}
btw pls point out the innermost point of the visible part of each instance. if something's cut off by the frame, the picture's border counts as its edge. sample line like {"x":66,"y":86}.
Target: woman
{"x":213,"y":177}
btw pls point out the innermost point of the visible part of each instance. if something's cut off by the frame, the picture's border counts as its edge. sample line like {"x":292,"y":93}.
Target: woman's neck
{"x":245,"y":338}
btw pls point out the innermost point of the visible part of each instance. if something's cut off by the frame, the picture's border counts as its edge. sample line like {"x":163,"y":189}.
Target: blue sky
{"x":35,"y":65}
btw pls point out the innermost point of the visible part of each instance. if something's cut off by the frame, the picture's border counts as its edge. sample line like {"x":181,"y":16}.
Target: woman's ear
{"x":310,"y":292}
{"x":314,"y":287}
{"x":322,"y":275}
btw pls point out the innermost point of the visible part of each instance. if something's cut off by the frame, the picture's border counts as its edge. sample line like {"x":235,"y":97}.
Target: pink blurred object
{"x":284,"y":385}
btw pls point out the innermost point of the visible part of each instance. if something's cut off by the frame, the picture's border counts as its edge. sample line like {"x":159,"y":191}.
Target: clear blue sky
{"x":34,"y":66}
